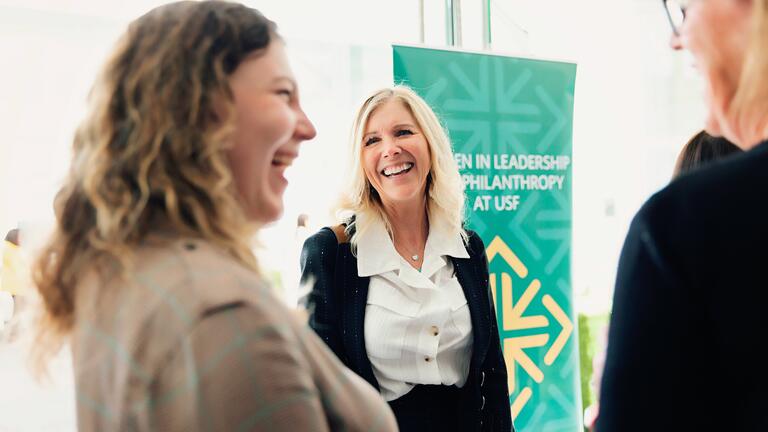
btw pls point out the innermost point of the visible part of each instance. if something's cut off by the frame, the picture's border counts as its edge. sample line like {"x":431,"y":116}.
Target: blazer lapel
{"x":354,"y":291}
{"x":472,"y":284}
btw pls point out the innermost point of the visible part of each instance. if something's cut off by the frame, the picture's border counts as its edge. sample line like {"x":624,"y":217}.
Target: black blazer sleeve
{"x":493,"y":379}
{"x":318,"y":269}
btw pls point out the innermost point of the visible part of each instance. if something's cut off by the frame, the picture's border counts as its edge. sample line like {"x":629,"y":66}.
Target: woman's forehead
{"x":390,"y":113}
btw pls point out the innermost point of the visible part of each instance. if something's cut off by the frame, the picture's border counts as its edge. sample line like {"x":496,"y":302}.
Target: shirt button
{"x":434,"y":330}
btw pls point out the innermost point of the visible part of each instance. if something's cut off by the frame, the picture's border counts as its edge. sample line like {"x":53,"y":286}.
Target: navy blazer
{"x":686,"y":347}
{"x":337,"y":303}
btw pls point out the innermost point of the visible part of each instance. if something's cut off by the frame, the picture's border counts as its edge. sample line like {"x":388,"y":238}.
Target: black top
{"x":687,"y":345}
{"x":336,"y":306}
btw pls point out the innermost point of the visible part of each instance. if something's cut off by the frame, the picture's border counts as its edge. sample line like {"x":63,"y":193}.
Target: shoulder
{"x":475,"y":245}
{"x":322,"y":241}
{"x":684,"y":225}
{"x":210,"y":282}
{"x":709,"y":200}
{"x":472,"y":236}
{"x":188,"y":278}
{"x":173,"y":286}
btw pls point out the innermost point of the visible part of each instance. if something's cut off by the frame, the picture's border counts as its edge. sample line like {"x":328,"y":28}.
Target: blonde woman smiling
{"x":400,"y":292}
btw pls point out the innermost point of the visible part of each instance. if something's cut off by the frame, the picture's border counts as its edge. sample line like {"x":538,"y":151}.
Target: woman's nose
{"x":391,"y":148}
{"x":305,"y":130}
{"x":675,"y":42}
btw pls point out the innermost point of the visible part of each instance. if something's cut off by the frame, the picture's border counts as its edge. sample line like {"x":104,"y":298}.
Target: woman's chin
{"x":266,"y":212}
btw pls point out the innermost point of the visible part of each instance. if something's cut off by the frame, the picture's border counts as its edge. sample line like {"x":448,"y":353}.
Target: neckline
{"x":761,"y":146}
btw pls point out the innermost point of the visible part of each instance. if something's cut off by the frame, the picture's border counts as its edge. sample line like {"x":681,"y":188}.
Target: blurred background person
{"x":6,"y":313}
{"x":7,"y":288}
{"x":685,"y":347}
{"x":11,"y":280}
{"x":302,"y":228}
{"x":701,"y":150}
{"x":14,"y":281}
{"x":149,"y":272}
{"x":290,"y":271}
{"x":400,"y":292}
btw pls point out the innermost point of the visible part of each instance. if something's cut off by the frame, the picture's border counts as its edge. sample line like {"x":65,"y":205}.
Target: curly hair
{"x":445,"y":191}
{"x":151,"y":152}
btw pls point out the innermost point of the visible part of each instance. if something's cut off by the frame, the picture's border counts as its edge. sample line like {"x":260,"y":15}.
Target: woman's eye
{"x":372,"y":140}
{"x":286,"y":93}
{"x":403,"y":132}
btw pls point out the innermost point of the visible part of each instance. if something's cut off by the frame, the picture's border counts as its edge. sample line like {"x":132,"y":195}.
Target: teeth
{"x":397,"y":169}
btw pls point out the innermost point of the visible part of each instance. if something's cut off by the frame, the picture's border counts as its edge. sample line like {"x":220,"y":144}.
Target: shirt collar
{"x":440,"y":244}
{"x":376,"y":254}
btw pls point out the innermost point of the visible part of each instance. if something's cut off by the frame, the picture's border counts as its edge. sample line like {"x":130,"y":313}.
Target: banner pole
{"x":456,"y":4}
{"x":449,"y":36}
{"x":486,"y":24}
{"x":421,"y":22}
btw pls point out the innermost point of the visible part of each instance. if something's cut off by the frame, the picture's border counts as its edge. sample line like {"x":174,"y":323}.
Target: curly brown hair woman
{"x":149,"y":273}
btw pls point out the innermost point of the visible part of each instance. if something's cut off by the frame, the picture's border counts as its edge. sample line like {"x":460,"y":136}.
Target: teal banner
{"x":511,"y":121}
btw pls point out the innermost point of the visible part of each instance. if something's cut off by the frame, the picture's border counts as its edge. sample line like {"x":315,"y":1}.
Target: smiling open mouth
{"x":281,"y":160}
{"x":397,"y":170}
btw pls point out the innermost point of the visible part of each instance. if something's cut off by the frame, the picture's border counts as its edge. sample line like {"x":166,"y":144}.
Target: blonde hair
{"x":152,"y":150}
{"x":749,"y":107}
{"x":445,"y":192}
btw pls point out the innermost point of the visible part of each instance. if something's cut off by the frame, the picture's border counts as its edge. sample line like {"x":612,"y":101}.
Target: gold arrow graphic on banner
{"x":520,"y":401}
{"x":512,"y":312}
{"x":565,"y":333}
{"x":513,"y":353}
{"x":513,"y":319}
{"x":498,"y":247}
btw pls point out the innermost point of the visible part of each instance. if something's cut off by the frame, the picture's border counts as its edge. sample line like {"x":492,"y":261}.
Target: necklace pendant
{"x":415,"y":257}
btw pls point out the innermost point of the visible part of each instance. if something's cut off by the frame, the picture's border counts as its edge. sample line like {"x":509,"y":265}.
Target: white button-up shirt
{"x":417,"y":323}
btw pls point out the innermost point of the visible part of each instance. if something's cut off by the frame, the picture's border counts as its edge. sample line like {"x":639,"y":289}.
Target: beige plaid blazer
{"x":191,"y":340}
